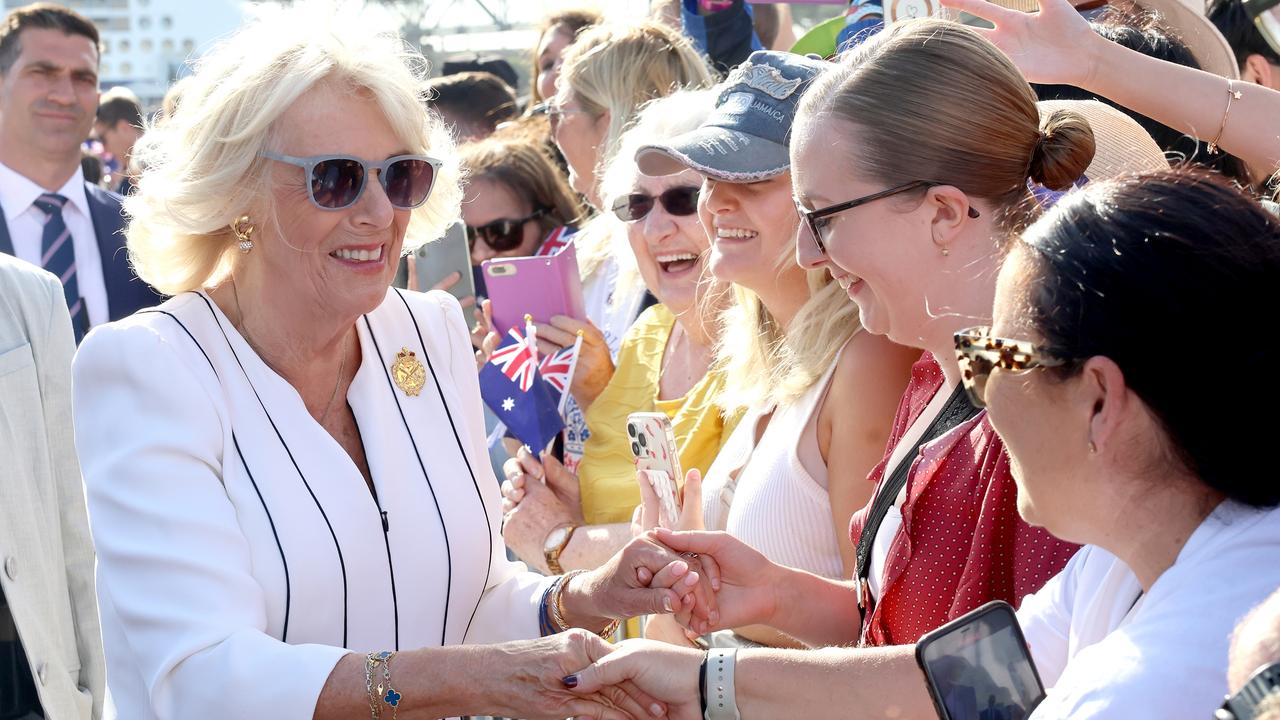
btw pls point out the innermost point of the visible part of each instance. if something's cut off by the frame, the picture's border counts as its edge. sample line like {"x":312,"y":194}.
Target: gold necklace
{"x":342,"y":366}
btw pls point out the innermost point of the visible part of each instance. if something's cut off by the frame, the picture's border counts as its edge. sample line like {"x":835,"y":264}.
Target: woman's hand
{"x":650,"y":510}
{"x":745,"y":582}
{"x":1051,"y":46}
{"x":655,"y":671}
{"x":595,"y":363}
{"x":525,"y":679}
{"x":483,"y":329}
{"x":644,"y":578}
{"x":537,"y":498}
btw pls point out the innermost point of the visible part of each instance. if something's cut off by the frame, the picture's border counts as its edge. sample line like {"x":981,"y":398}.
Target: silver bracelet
{"x":722,"y":701}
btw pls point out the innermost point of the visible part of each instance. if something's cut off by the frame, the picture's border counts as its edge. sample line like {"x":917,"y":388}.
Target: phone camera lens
{"x":631,"y":429}
{"x":643,"y":441}
{"x":635,"y":449}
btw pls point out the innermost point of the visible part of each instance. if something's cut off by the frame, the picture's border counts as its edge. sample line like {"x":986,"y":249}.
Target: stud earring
{"x":1093,"y":449}
{"x":945,"y":252}
{"x":243,"y":231}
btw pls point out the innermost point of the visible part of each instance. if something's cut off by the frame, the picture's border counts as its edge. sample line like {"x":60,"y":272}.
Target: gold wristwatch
{"x":555,"y":544}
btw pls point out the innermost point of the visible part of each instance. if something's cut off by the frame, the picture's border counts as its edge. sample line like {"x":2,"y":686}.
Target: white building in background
{"x":147,"y":43}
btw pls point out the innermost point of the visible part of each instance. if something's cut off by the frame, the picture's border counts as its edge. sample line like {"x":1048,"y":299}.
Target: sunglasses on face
{"x":979,"y":353}
{"x":504,"y":234}
{"x":338,"y":181}
{"x":678,"y":201}
{"x":818,"y":221}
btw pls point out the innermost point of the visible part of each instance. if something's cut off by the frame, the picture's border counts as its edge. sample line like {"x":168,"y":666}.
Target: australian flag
{"x":514,"y":390}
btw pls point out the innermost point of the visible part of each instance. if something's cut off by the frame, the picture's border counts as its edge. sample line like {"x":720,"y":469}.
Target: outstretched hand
{"x":745,"y":581}
{"x":1049,"y":46}
{"x":649,"y":672}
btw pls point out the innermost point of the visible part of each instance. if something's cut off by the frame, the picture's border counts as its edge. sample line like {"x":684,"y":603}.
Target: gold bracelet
{"x":557,"y":606}
{"x":1232,"y":96}
{"x":384,"y":692}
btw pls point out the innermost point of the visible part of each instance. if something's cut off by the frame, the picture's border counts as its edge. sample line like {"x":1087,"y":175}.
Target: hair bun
{"x":1063,"y":151}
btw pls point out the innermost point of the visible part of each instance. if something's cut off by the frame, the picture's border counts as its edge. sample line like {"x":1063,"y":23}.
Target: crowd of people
{"x":919,"y":310}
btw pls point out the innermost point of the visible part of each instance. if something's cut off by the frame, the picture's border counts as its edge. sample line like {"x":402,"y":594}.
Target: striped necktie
{"x":58,"y":256}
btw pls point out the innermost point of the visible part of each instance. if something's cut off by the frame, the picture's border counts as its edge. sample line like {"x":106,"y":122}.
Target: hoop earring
{"x":243,"y":230}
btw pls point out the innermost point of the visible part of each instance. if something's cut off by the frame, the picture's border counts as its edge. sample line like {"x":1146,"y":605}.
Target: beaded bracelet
{"x":557,"y":606}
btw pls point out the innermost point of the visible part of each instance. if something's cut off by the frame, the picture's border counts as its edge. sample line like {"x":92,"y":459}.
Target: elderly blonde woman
{"x":579,"y":522}
{"x":285,"y":463}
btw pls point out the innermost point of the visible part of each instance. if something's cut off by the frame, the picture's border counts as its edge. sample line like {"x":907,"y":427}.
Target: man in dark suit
{"x":51,"y":217}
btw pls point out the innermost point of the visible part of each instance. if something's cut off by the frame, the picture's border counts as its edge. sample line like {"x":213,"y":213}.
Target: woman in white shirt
{"x":1120,"y":370}
{"x":285,"y":463}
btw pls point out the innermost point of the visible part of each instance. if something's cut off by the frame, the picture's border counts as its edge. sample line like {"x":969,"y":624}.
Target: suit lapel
{"x":108,"y":227}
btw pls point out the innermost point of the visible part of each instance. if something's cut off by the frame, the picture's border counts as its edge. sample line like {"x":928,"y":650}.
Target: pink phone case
{"x":541,"y":286}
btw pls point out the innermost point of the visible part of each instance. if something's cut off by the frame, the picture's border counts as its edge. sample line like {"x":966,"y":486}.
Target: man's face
{"x":49,"y":96}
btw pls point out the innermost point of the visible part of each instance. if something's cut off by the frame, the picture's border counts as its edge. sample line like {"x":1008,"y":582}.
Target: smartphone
{"x":542,"y":286}
{"x":978,"y":667}
{"x":653,"y":443}
{"x":436,"y":260}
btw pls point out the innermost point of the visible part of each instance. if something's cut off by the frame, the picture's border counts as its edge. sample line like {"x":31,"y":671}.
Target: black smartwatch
{"x":1244,"y":704}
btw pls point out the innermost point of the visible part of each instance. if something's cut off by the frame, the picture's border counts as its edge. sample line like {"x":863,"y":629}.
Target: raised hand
{"x":650,"y":514}
{"x":1049,"y":46}
{"x":595,"y":363}
{"x":647,"y":671}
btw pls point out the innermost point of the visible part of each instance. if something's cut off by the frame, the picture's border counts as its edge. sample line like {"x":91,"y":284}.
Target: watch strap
{"x":722,"y":701}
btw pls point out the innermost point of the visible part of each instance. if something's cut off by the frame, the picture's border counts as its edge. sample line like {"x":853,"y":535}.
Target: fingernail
{"x":570,"y":681}
{"x":691,"y":579}
{"x":666,"y":603}
{"x":656,"y":709}
{"x":715,"y":584}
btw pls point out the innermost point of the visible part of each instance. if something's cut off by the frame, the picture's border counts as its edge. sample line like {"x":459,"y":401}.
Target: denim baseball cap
{"x":745,"y":137}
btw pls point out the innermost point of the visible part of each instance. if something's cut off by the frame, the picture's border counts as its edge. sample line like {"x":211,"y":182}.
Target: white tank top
{"x":777,"y":506}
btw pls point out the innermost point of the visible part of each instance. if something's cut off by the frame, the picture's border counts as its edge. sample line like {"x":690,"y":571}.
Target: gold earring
{"x":945,"y":252}
{"x":243,"y":230}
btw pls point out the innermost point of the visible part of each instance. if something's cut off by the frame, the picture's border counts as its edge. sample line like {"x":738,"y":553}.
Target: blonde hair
{"x":616,"y":68}
{"x":764,"y":363}
{"x":202,"y":168}
{"x":935,"y":101}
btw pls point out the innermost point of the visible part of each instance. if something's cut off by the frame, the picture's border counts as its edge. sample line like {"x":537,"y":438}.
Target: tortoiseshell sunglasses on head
{"x":979,"y":353}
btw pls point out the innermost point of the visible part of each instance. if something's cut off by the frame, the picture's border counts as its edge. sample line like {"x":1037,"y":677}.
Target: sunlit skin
{"x":48,"y":99}
{"x":916,"y":265}
{"x":550,"y":48}
{"x":579,"y":135}
{"x":752,"y":228}
{"x":488,"y":200}
{"x":661,"y":236}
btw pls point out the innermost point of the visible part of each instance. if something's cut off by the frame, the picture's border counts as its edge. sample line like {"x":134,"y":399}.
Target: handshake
{"x":705,"y":581}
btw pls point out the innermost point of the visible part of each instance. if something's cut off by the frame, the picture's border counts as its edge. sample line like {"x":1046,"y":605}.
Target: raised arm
{"x":1056,"y":46}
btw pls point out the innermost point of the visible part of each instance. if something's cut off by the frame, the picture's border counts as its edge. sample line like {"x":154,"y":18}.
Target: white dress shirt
{"x":26,"y":230}
{"x":240,"y":551}
{"x":1106,"y":650}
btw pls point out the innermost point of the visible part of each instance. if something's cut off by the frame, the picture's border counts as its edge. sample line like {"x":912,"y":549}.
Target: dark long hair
{"x":1172,"y":275}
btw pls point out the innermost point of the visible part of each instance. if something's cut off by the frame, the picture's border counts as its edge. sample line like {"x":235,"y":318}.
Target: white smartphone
{"x":653,"y":443}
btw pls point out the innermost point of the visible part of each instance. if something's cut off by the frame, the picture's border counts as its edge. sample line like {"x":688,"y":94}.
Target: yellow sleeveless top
{"x":607,"y":474}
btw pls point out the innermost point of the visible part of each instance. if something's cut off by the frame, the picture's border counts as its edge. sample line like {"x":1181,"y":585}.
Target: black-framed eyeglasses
{"x":679,"y":201}
{"x":979,"y":353}
{"x":818,"y":220}
{"x":337,"y":181}
{"x":503,"y":234}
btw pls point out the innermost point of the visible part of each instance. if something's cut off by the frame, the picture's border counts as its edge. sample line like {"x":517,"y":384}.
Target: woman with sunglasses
{"x":664,"y":364}
{"x":818,"y":394}
{"x":515,"y":199}
{"x":1152,"y":472}
{"x":285,"y":463}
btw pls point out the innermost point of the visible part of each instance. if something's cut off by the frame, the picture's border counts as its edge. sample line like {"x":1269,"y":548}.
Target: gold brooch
{"x":408,"y":372}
